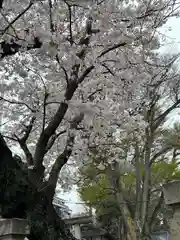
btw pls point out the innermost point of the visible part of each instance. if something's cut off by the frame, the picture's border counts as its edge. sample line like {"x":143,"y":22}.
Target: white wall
{"x":76,"y":231}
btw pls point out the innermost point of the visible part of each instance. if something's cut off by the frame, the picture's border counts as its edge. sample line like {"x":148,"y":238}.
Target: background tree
{"x":127,"y":174}
{"x":69,"y":71}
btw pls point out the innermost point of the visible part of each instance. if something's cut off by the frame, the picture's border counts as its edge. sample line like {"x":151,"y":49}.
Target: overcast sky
{"x":172,"y":45}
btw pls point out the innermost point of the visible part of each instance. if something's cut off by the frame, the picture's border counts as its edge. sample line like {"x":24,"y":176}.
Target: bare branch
{"x":18,"y":103}
{"x":22,"y":141}
{"x":58,"y":117}
{"x":115,"y":46}
{"x":62,"y":159}
{"x":26,"y":151}
{"x":147,"y":13}
{"x":90,"y":97}
{"x":159,"y":154}
{"x":161,"y":117}
{"x":4,"y":123}
{"x":53,"y":139}
{"x":10,"y":138}
{"x":108,"y":69}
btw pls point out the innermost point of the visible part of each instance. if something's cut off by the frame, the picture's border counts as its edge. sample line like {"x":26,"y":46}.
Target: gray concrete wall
{"x":13,"y":229}
{"x":172,"y":198}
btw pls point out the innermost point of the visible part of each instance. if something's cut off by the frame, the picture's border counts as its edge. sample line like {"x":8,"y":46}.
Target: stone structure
{"x":75,"y":223}
{"x":83,"y":227}
{"x":13,"y":229}
{"x":172,"y":198}
{"x":61,"y":208}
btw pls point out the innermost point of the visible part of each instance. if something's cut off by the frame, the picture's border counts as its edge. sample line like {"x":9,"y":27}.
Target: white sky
{"x":172,"y":45}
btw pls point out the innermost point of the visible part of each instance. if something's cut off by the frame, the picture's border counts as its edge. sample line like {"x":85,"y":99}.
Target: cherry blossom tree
{"x":72,"y":69}
{"x":122,"y":178}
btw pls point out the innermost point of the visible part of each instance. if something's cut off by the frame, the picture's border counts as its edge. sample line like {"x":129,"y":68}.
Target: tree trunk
{"x":20,"y":198}
{"x":115,"y":181}
{"x":44,"y":221}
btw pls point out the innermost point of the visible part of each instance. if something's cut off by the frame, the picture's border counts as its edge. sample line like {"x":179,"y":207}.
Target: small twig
{"x":17,"y":17}
{"x":18,"y":103}
{"x":10,"y":138}
{"x":62,"y":159}
{"x":93,"y":93}
{"x":108,"y":69}
{"x":85,"y":73}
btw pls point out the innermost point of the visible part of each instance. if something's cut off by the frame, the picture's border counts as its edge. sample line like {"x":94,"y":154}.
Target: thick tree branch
{"x":161,"y":117}
{"x":23,"y":139}
{"x":62,"y":159}
{"x":85,"y":74}
{"x":26,"y":151}
{"x":66,"y":75}
{"x":53,"y":139}
{"x":108,"y":69}
{"x":10,"y":138}
{"x":55,"y":122}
